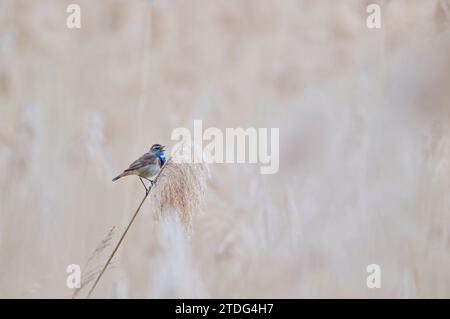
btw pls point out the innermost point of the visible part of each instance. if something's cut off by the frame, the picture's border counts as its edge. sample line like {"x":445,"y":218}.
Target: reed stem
{"x":125,"y":232}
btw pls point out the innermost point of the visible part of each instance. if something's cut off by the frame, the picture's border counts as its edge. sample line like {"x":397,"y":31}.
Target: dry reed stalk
{"x":92,"y":268}
{"x":125,"y":232}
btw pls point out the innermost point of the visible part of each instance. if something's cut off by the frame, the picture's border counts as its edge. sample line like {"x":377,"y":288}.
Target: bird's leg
{"x":151,"y":182}
{"x":143,"y":184}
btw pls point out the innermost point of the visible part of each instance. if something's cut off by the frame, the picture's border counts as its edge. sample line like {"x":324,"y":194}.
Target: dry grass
{"x":93,"y":266}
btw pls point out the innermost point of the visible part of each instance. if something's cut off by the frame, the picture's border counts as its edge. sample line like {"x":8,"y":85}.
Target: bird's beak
{"x":163,"y":148}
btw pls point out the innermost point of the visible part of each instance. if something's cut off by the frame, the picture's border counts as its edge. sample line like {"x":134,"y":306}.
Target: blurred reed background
{"x":364,"y":144}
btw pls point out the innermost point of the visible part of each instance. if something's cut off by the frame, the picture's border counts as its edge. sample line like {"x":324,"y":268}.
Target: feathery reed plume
{"x":92,"y":268}
{"x":181,"y":189}
{"x":182,"y":186}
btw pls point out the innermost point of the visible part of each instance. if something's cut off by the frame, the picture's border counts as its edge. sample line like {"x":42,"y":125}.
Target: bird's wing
{"x":144,"y":160}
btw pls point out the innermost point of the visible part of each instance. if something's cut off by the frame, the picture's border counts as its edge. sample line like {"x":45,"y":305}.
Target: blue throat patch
{"x":161,"y":156}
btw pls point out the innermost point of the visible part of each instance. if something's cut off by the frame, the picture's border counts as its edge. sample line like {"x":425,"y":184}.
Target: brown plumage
{"x":145,"y":166}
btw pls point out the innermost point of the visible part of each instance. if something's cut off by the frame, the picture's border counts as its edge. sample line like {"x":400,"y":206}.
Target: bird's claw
{"x":147,"y":189}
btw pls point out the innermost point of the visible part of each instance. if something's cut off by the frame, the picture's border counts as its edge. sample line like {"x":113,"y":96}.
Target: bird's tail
{"x":119,"y":176}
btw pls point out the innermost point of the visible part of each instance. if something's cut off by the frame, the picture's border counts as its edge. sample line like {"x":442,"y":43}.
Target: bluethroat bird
{"x":146,"y":166}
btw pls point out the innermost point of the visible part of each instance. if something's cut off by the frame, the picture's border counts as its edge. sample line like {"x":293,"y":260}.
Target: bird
{"x":146,"y":166}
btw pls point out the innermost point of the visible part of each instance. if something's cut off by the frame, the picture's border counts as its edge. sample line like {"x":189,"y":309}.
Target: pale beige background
{"x":365,"y":145}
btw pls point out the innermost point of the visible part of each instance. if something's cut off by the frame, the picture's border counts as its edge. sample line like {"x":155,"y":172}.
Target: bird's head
{"x":157,"y":148}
